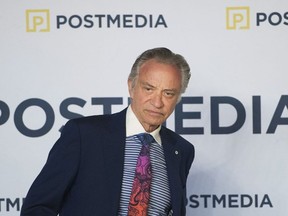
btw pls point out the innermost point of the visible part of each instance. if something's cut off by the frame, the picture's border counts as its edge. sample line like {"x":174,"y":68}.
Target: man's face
{"x":155,"y":93}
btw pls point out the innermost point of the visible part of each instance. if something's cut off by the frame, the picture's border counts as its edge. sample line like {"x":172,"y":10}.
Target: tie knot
{"x":145,"y":138}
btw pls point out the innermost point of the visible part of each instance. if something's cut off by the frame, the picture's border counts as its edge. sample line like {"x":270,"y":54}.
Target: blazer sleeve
{"x":47,"y":192}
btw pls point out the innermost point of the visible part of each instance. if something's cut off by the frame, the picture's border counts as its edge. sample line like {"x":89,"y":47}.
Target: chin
{"x":155,"y":123}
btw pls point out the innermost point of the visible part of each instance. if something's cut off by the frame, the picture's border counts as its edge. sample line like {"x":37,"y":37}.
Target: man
{"x":90,"y":169}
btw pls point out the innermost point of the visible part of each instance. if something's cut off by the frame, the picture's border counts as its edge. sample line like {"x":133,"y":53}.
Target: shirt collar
{"x":133,"y":126}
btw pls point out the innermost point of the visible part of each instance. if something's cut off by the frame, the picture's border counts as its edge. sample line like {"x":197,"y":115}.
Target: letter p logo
{"x":37,"y":20}
{"x":237,"y":17}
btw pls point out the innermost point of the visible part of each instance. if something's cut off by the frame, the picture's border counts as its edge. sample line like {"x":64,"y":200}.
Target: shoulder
{"x":97,"y":122}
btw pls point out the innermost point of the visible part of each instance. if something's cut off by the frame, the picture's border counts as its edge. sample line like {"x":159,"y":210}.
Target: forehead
{"x":154,"y":67}
{"x":160,"y":75}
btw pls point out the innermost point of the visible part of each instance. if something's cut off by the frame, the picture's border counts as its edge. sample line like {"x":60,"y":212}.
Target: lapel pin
{"x":176,"y":152}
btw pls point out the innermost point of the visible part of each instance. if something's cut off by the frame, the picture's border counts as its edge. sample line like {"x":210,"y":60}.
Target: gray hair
{"x":166,"y":56}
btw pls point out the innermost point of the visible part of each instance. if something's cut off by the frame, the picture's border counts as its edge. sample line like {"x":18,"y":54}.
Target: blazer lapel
{"x":173,"y":158}
{"x":114,"y":149}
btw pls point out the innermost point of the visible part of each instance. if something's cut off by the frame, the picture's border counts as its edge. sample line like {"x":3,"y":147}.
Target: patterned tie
{"x":139,"y":200}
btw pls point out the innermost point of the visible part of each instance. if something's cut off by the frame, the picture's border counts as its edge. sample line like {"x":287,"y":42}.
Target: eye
{"x":148,"y":88}
{"x":169,"y":94}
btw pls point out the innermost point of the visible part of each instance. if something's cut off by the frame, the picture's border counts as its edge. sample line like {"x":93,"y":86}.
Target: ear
{"x":130,"y":88}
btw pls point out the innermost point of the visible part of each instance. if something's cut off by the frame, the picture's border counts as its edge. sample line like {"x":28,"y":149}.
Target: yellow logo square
{"x":237,"y":18}
{"x":38,"y":20}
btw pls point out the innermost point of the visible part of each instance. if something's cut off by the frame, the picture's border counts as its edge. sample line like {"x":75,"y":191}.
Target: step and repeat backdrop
{"x":64,"y":59}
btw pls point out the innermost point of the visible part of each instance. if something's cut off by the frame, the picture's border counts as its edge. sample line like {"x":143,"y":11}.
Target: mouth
{"x":154,"y":113}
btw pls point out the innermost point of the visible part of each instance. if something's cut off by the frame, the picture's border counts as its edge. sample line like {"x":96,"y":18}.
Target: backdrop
{"x":64,"y":59}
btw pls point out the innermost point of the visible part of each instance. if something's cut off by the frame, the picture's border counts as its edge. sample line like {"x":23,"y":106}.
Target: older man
{"x":125,"y":163}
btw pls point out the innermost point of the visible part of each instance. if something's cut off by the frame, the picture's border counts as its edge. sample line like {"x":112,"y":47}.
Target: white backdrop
{"x":235,"y":110}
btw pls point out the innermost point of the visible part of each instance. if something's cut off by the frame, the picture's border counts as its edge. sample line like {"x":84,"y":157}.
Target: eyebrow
{"x":148,"y":84}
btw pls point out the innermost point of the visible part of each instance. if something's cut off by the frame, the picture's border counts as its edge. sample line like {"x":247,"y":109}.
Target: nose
{"x":157,"y":100}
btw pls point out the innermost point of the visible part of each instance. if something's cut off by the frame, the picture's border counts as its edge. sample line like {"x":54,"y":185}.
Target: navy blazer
{"x":84,"y":170}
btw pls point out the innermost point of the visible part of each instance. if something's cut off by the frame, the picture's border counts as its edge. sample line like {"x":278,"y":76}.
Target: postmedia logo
{"x":38,"y":20}
{"x":237,"y":18}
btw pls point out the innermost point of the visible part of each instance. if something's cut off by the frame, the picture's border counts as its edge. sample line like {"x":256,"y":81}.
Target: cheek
{"x":170,"y":106}
{"x":136,"y":93}
{"x":138,"y":99}
{"x":141,"y":96}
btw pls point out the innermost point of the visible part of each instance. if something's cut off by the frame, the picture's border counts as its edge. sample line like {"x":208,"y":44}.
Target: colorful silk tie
{"x":139,"y":200}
